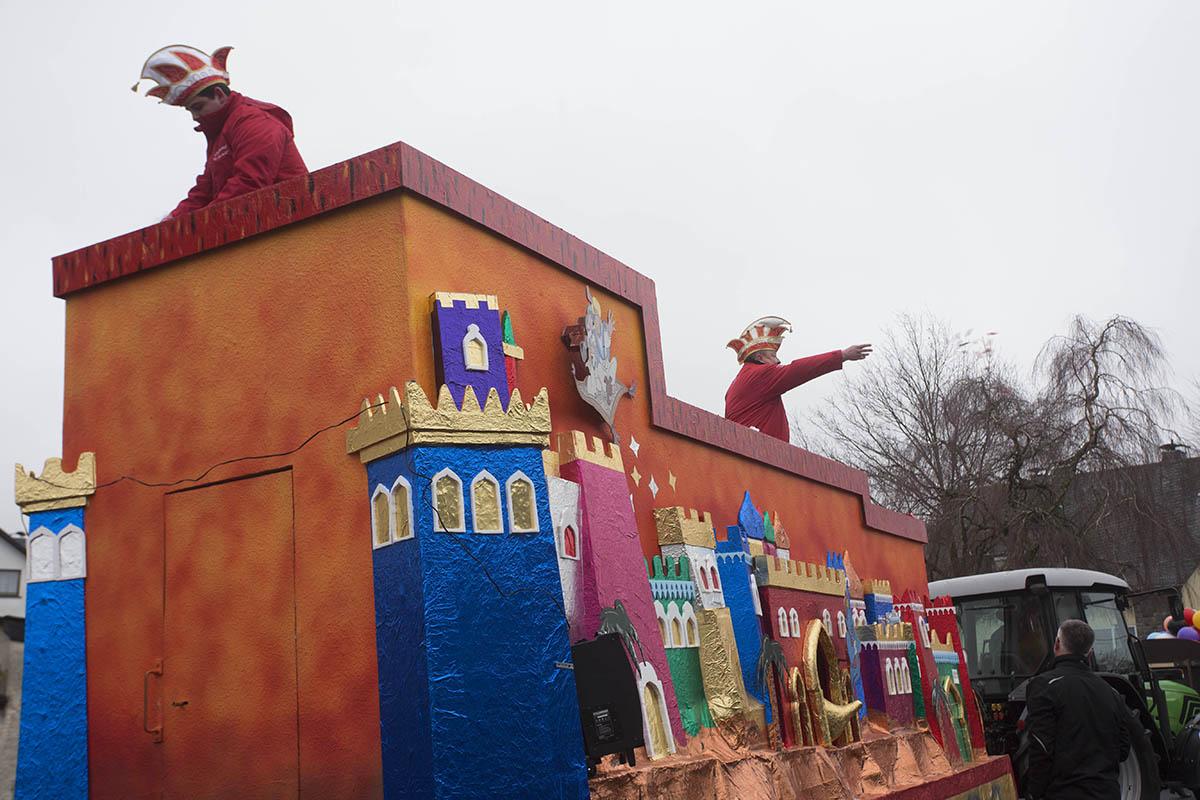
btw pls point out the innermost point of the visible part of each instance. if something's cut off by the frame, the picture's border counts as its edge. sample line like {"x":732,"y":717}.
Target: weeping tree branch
{"x":1003,"y":472}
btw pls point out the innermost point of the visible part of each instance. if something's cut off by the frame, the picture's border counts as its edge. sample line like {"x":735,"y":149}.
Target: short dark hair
{"x":756,"y":356}
{"x":1076,"y":636}
{"x":211,"y":91}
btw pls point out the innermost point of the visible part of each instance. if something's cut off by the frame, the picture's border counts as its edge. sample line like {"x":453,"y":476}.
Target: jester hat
{"x":765,"y":333}
{"x":181,"y":72}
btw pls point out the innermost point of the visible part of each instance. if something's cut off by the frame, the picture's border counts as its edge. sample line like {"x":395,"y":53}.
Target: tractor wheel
{"x":1138,"y":773}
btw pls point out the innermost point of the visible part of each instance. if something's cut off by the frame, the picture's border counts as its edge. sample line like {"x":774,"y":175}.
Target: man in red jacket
{"x":250,"y":143}
{"x":755,"y":398}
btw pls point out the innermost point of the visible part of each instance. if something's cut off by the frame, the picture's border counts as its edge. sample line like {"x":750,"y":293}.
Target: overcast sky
{"x":1003,"y":165}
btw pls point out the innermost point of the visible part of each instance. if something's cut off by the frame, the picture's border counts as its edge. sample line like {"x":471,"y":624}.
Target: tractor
{"x":1008,"y":621}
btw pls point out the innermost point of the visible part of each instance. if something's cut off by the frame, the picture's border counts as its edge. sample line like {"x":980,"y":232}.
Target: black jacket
{"x":1078,"y":728}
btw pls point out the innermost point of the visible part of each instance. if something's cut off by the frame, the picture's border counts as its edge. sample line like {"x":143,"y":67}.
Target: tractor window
{"x":1004,"y":635}
{"x":1066,"y":605}
{"x":1112,"y":645}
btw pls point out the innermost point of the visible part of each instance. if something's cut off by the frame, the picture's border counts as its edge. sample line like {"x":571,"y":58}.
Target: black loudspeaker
{"x":609,"y":709}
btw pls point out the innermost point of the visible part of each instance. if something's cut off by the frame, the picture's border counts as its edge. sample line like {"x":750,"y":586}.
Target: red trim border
{"x":399,"y":166}
{"x":959,"y":783}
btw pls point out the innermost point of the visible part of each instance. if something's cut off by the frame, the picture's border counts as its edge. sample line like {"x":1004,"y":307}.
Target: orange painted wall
{"x":242,"y":350}
{"x":249,"y":349}
{"x":448,"y":253}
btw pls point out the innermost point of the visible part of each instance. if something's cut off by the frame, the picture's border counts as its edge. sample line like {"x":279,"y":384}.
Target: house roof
{"x":17,"y":542}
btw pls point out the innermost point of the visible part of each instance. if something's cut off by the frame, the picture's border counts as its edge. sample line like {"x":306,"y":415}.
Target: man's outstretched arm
{"x":856,"y":352}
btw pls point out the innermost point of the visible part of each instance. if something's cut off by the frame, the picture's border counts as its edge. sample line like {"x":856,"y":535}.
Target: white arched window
{"x":783,"y":623}
{"x":924,"y":626}
{"x":690,"y":629}
{"x":842,"y":624}
{"x":522,"y":504}
{"x":827,"y":622}
{"x":402,"y":510}
{"x":905,"y":677}
{"x":891,"y":676}
{"x":448,"y":502}
{"x":661,"y":613}
{"x":72,"y":556}
{"x":674,"y":625}
{"x":43,"y":556}
{"x":381,"y":515}
{"x":485,"y":504}
{"x":570,"y":543}
{"x":716,"y":580}
{"x":795,"y":618}
{"x":475,"y":350}
{"x":61,"y":557}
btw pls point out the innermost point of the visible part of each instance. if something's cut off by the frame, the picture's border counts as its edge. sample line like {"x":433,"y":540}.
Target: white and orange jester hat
{"x":181,"y":71}
{"x":765,"y":333}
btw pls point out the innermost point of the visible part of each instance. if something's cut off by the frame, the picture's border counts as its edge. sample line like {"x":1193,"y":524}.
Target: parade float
{"x":371,"y":486}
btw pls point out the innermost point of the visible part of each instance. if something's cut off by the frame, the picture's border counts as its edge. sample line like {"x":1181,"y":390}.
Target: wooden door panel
{"x":229,"y":704}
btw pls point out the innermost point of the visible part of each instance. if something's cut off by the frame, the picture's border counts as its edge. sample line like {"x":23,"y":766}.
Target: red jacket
{"x":250,"y":145}
{"x":755,"y":398}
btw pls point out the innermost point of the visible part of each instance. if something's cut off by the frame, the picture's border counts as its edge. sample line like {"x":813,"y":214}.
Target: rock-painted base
{"x":718,"y":764}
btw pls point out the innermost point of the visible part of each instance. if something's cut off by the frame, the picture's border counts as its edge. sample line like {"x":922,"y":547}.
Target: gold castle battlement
{"x":55,"y":488}
{"x":890,"y":631}
{"x":469,"y":300}
{"x":800,"y":575}
{"x":677,"y":526}
{"x":387,"y":426}
{"x":877,"y":586}
{"x":938,"y":645}
{"x":574,"y":446}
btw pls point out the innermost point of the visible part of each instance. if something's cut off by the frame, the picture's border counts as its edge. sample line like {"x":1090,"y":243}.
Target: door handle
{"x":157,"y":731}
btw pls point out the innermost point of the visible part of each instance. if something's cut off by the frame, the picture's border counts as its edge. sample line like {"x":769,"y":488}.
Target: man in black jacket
{"x":1077,"y":725}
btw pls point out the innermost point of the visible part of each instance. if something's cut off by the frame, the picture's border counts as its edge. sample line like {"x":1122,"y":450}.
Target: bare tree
{"x":1002,"y":473}
{"x":1102,"y":408}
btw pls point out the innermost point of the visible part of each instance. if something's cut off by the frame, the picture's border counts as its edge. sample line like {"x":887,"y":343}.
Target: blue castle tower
{"x":52,"y":761}
{"x":734,"y":564}
{"x":476,"y":696}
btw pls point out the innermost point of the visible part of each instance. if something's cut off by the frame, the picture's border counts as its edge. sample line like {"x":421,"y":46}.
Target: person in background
{"x":250,"y":143}
{"x":755,"y":398}
{"x":1078,"y":725}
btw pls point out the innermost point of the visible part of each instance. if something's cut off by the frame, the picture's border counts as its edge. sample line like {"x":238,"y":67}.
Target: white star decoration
{"x":653,"y":487}
{"x":634,"y":446}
